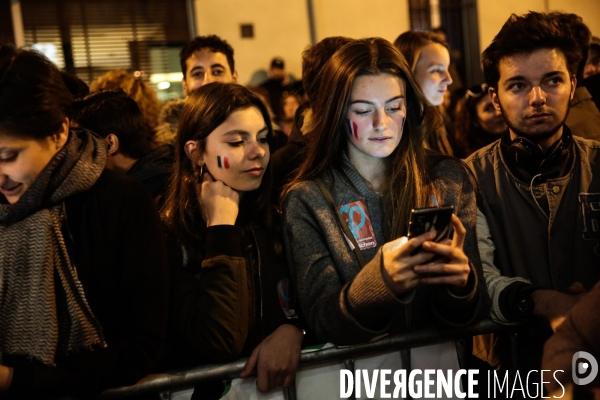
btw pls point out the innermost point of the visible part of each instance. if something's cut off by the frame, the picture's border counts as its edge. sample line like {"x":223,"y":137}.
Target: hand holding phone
{"x":436,"y":219}
{"x":452,"y":267}
{"x":399,"y":262}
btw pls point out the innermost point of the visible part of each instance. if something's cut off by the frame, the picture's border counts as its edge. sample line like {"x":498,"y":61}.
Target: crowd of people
{"x":251,"y":222}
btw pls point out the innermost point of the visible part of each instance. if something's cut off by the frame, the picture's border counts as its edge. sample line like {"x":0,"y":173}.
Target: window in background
{"x":91,"y":37}
{"x":420,"y":15}
{"x":458,"y":18}
{"x":6,"y":27}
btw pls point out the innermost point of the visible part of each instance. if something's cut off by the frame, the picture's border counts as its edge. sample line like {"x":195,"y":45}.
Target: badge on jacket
{"x":357,"y":217}
{"x":287,"y":297}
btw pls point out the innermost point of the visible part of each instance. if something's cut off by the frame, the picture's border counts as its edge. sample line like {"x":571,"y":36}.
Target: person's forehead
{"x":379,"y":85}
{"x":9,"y":141}
{"x":205,"y":57}
{"x":536,"y":63}
{"x":433,"y":53}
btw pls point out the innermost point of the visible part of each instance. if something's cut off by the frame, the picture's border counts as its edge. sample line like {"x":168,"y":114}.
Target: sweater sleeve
{"x":127,"y":296}
{"x":209,"y":306}
{"x":495,"y":282}
{"x":339,"y":308}
{"x":469,"y":307}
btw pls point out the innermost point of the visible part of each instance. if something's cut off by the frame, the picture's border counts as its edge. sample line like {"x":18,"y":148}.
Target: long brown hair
{"x":408,"y":184}
{"x":205,"y":109}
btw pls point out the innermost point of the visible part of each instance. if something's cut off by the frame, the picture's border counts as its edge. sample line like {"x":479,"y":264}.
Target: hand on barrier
{"x":276,"y":358}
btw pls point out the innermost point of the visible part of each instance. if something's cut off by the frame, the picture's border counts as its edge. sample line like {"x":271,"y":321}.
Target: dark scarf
{"x":43,"y":309}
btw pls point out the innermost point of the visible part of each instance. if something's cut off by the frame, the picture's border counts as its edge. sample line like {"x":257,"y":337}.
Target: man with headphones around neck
{"x":539,"y":187}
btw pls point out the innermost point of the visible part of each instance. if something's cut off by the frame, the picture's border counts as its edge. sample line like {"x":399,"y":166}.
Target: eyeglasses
{"x":477,"y":90}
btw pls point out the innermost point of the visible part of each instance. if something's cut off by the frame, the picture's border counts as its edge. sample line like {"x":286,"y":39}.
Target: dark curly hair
{"x":524,"y":34}
{"x":112,"y":111}
{"x":212,"y":42}
{"x":580,"y":33}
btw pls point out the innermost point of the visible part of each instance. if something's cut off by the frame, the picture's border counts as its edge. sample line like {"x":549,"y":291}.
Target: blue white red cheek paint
{"x":222,"y":162}
{"x":352,"y":128}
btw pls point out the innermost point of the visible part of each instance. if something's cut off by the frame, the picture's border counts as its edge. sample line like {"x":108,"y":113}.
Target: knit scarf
{"x":43,"y":309}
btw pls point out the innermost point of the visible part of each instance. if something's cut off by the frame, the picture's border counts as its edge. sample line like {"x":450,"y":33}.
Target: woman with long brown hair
{"x":230,"y":293}
{"x":367,"y":163}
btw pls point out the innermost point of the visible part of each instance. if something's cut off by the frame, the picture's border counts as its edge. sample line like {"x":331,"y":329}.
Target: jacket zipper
{"x":259,"y":282}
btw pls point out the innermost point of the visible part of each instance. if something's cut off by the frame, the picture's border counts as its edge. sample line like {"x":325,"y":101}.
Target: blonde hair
{"x":136,"y":88}
{"x":168,"y":121}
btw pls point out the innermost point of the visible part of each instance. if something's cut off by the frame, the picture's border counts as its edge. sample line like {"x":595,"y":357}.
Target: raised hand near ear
{"x":219,"y":203}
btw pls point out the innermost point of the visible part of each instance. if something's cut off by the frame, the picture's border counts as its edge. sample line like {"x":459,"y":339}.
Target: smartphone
{"x":435,"y":219}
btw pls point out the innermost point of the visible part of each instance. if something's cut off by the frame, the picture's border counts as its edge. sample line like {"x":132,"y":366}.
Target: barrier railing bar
{"x":186,"y":378}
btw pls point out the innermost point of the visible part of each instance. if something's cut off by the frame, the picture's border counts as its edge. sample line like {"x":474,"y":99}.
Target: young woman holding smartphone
{"x":347,"y":211}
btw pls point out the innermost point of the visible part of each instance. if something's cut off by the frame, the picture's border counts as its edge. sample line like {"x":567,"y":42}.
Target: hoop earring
{"x":197,"y":173}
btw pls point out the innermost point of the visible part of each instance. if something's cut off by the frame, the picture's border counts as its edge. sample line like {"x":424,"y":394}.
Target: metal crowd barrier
{"x":174,"y":380}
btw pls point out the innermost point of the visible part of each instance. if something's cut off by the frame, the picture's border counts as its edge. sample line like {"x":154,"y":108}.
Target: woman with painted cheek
{"x":234,"y":160}
{"x":231,"y":296}
{"x":478,"y":123}
{"x":429,"y":58}
{"x":346,"y":212}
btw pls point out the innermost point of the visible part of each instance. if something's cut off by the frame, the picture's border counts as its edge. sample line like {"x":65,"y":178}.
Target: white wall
{"x":493,"y":13}
{"x":361,"y":18}
{"x":280,"y":29}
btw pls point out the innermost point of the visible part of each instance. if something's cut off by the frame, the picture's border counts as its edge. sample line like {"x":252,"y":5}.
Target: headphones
{"x":529,"y":156}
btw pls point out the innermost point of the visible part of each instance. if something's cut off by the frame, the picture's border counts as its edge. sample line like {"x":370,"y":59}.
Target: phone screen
{"x":436,"y":219}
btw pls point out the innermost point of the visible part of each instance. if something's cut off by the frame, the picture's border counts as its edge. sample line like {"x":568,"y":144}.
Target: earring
{"x":201,"y":167}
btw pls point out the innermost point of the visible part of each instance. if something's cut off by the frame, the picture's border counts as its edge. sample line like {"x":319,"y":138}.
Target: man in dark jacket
{"x":129,"y":140}
{"x":538,"y":185}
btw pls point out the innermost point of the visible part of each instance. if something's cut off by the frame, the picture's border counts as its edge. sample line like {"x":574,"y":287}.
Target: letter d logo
{"x":581,"y":367}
